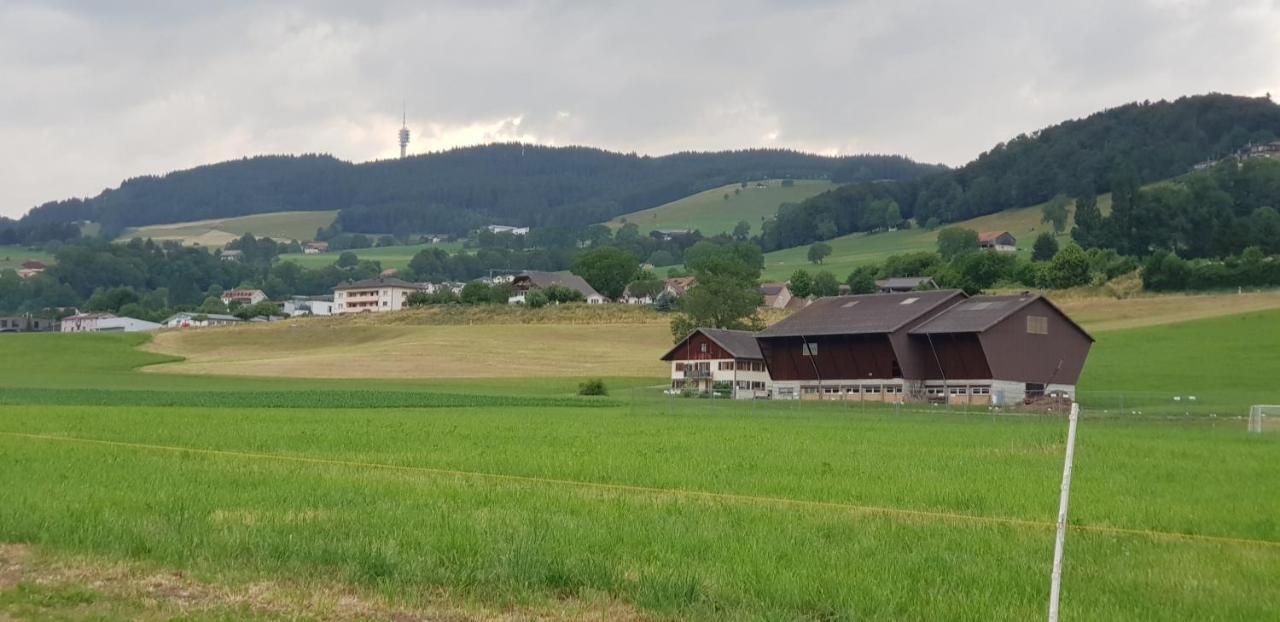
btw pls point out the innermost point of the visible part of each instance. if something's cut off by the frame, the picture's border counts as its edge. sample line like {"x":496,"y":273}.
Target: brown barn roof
{"x":865,"y":314}
{"x":979,"y":313}
{"x":541,"y":279}
{"x":740,"y":343}
{"x":992,"y":236}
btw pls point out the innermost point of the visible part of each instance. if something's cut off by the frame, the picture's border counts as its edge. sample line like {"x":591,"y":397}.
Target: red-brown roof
{"x":865,"y":314}
{"x":991,"y":236}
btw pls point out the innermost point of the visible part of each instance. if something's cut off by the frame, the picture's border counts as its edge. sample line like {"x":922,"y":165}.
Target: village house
{"x":105,"y":323}
{"x":905,"y":284}
{"x":666,"y":235}
{"x":192,"y":319}
{"x":308,"y":305}
{"x":377,"y":295}
{"x":315,"y":248}
{"x":533,"y":279}
{"x":776,"y":295}
{"x":245,"y":297}
{"x":1000,"y":241}
{"x":938,"y":346}
{"x":676,"y":287}
{"x":226,"y":255}
{"x":507,"y":229}
{"x":726,"y":361}
{"x":26,"y":324}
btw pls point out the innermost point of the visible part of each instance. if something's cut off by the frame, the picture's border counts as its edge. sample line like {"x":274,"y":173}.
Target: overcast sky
{"x":90,"y":95}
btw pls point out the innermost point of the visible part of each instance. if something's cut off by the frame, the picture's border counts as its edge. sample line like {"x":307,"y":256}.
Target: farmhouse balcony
{"x":697,"y":373}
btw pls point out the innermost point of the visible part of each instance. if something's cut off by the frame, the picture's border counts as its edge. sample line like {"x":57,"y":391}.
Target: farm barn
{"x":711,"y":356}
{"x":940,"y":346}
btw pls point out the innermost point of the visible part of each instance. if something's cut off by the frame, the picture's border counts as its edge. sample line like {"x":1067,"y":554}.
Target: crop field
{"x":215,"y":233}
{"x":11,"y":257}
{"x":135,"y":495}
{"x":711,"y":213}
{"x":859,"y":249}
{"x":397,"y":257}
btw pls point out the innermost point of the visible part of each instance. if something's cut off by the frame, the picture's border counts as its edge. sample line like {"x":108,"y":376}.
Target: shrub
{"x":594,"y":386}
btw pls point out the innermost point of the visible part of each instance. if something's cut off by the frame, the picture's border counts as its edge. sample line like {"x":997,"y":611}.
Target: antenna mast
{"x":404,"y":129}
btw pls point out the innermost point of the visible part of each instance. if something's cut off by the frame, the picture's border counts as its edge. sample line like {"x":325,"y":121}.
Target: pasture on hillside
{"x":397,"y":257}
{"x":859,"y":249}
{"x":215,"y":233}
{"x":11,"y":257}
{"x":485,"y":496}
{"x":712,"y":213}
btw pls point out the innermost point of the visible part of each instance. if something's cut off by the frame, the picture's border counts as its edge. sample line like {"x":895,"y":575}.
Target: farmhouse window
{"x":726,"y":365}
{"x":679,"y":366}
{"x":702,"y":347}
{"x":811,"y":349}
{"x":1037,"y":325}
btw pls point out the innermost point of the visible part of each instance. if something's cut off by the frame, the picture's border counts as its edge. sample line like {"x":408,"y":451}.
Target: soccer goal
{"x":1263,"y":417}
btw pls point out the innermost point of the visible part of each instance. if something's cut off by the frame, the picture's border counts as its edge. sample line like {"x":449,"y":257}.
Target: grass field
{"x":284,"y":226}
{"x":11,"y":257}
{"x":859,"y":249}
{"x":711,"y":213}
{"x":152,"y":496}
{"x":397,"y":257}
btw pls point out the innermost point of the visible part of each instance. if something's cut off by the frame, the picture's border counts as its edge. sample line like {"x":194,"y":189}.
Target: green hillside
{"x":299,"y":226}
{"x":11,"y":257}
{"x":711,"y":212}
{"x":858,"y":249}
{"x":390,"y":256}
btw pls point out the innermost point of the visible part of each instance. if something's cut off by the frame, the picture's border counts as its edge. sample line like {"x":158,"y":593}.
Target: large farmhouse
{"x":712,"y":356}
{"x":938,"y":345}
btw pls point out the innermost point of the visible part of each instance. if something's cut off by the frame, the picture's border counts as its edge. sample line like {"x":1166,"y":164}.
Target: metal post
{"x":1055,"y":587}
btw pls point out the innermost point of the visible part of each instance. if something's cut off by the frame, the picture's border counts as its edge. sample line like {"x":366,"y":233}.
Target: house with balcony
{"x":245,"y":297}
{"x":724,"y":361}
{"x":377,"y":295}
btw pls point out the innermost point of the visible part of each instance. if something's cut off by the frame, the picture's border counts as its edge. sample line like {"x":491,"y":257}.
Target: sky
{"x":92,"y":93}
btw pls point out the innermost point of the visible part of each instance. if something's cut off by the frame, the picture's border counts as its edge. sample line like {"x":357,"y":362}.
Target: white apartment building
{"x":373,"y":295}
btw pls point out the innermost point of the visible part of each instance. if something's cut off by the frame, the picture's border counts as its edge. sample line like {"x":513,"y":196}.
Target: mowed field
{"x":711,"y":213}
{"x":11,"y":257}
{"x":215,"y":233}
{"x":860,"y":249}
{"x":397,"y":257}
{"x":134,"y":495}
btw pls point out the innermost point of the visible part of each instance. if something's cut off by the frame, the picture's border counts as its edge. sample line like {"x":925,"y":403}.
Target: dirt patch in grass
{"x":35,"y":585}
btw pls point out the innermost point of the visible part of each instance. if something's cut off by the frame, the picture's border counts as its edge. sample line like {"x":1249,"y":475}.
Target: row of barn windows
{"x":896,"y":390}
{"x":723,"y":366}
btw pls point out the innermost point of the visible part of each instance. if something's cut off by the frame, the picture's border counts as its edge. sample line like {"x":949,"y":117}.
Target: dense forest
{"x":453,"y":191}
{"x":1156,"y":140}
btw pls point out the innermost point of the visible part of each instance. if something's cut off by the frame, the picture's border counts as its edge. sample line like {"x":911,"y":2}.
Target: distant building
{"x":315,"y":248}
{"x":507,"y":229}
{"x":308,"y":305}
{"x":376,"y":295}
{"x":200,"y":320}
{"x":776,"y":295}
{"x":905,"y":284}
{"x":1001,"y":241}
{"x":534,"y":279}
{"x":722,"y":360}
{"x":669,"y":234}
{"x":678,"y":285}
{"x":105,"y":323}
{"x":230,"y":255}
{"x":243,"y":296}
{"x":26,"y":324}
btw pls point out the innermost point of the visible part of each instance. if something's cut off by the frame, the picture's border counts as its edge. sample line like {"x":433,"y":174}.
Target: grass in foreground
{"x":711,"y":213}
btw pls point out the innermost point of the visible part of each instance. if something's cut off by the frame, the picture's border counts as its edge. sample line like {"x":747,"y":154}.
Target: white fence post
{"x":1055,"y":587}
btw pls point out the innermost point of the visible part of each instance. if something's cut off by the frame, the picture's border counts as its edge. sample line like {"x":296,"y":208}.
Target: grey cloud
{"x":97,"y":92}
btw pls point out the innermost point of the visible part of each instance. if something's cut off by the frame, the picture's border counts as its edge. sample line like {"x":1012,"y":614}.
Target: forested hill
{"x":453,"y":190}
{"x":1156,"y":140}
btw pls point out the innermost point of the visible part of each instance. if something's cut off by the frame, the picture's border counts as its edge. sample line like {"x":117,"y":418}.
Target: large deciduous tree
{"x":608,"y":269}
{"x":956,"y":241}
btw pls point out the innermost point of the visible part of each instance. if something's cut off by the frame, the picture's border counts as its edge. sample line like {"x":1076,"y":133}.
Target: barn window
{"x":811,"y":349}
{"x":702,"y":347}
{"x":1037,"y":325}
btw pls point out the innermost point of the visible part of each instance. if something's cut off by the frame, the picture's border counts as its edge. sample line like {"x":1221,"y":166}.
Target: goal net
{"x":1264,"y":417}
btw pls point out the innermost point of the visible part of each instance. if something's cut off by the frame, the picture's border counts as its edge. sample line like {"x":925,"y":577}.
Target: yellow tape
{"x":629,"y":488}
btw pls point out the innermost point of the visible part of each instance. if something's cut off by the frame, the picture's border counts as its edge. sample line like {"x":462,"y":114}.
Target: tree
{"x":347,"y":259}
{"x":1069,"y":268}
{"x":956,"y":241}
{"x":475,"y":293}
{"x":862,"y":280}
{"x":1088,"y":229}
{"x":627,"y":234}
{"x":1055,"y":212}
{"x":742,"y":230}
{"x":1045,"y":248}
{"x":646,"y":288}
{"x":212,"y":305}
{"x":662,"y":257}
{"x":608,"y":269}
{"x":727,"y":291}
{"x":801,"y":284}
{"x":819,"y":251}
{"x":825,"y":284}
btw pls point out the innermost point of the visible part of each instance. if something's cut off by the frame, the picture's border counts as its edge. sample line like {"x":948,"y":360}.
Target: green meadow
{"x":215,"y":233}
{"x":719,"y":210}
{"x":397,"y":257}
{"x":11,"y":257}
{"x":489,"y":496}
